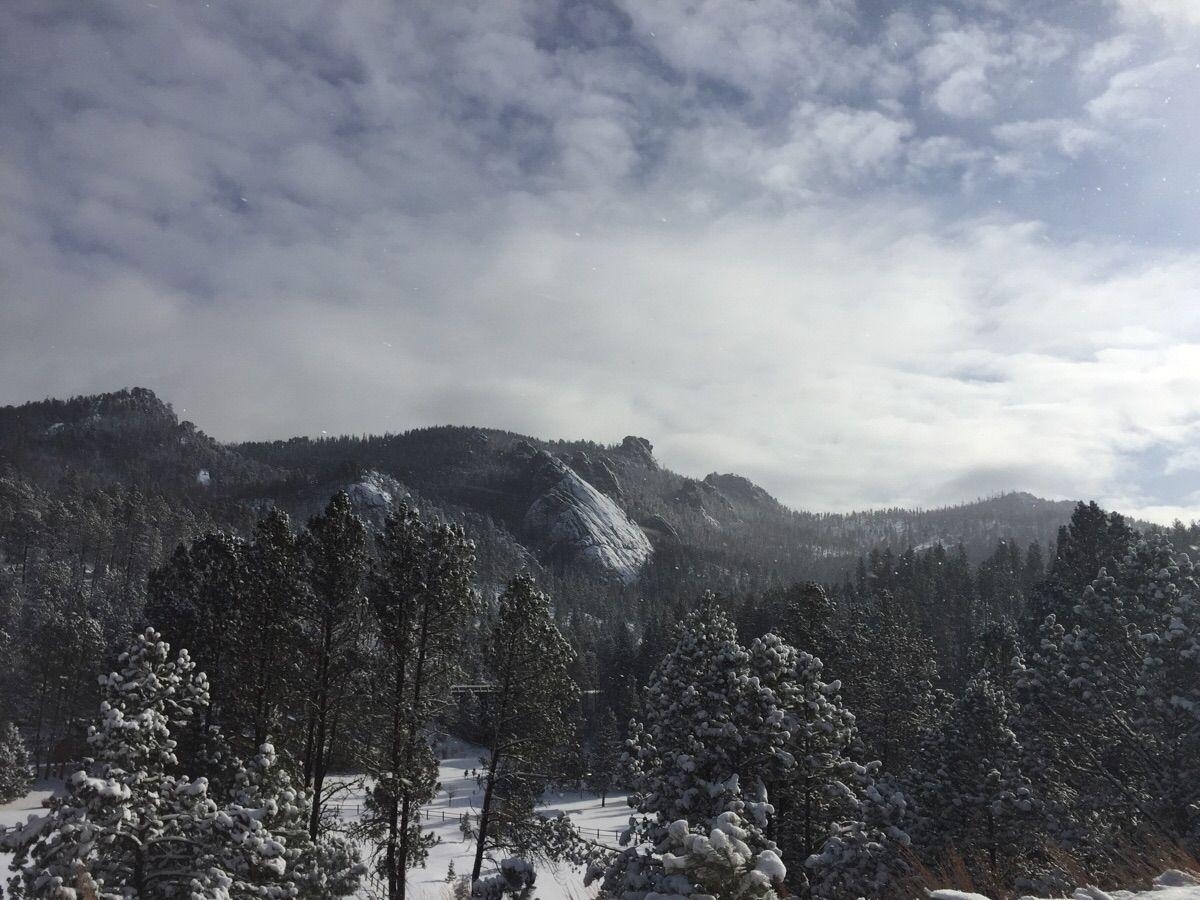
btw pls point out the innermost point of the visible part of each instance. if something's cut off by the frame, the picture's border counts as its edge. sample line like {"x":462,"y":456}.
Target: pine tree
{"x":531,"y":699}
{"x":891,"y":691}
{"x":421,"y":596}
{"x":811,"y":794}
{"x":16,"y":770}
{"x":862,"y":856}
{"x":718,"y":864}
{"x":712,"y":737}
{"x":265,"y":803}
{"x":269,"y":676}
{"x":606,"y":757}
{"x":195,"y":602}
{"x":806,"y":621}
{"x":142,"y":830}
{"x":970,"y":788}
{"x":335,"y":550}
{"x":128,"y":818}
{"x":1105,"y":705}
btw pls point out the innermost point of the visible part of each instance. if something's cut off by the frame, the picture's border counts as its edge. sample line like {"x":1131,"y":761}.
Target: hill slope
{"x":577,"y":508}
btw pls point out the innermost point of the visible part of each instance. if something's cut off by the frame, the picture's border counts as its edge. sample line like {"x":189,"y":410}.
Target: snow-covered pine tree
{"x":711,"y":739}
{"x":529,"y":717}
{"x":16,"y":769}
{"x":862,"y":856}
{"x":718,"y":864}
{"x":605,"y":757}
{"x":971,"y":793}
{"x":143,"y":831}
{"x":266,"y":805}
{"x":1100,"y":705}
{"x":709,"y":736}
{"x":1171,"y":676}
{"x":421,"y":594}
{"x":811,"y":794}
{"x":139,"y":829}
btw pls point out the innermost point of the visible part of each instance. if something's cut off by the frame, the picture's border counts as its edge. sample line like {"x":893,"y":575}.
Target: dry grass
{"x":1133,"y":865}
{"x":951,"y":870}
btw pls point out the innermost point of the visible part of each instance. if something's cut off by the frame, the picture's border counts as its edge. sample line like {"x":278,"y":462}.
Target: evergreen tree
{"x":142,"y":830}
{"x":605,"y":757}
{"x":970,"y":788}
{"x":531,"y":699}
{"x":807,"y":620}
{"x":335,"y":551}
{"x":1091,"y":541}
{"x":1106,"y":711}
{"x":891,"y":692}
{"x":16,"y":770}
{"x":812,"y":793}
{"x":263,"y":792}
{"x":276,"y":589}
{"x":718,"y":864}
{"x":713,"y":737}
{"x":195,"y":602}
{"x":863,"y":854}
{"x":421,"y":594}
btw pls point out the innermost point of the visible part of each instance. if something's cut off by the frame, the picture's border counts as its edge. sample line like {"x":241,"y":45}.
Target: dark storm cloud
{"x":866,"y":253}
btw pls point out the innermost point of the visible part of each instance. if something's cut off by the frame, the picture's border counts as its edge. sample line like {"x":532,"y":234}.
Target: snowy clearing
{"x":459,"y":795}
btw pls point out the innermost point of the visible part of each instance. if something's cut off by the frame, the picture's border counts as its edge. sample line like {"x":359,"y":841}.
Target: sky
{"x":864,"y":252}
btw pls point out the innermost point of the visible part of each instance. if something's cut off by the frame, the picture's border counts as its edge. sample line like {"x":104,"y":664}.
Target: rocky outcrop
{"x":638,"y":450}
{"x":571,"y":522}
{"x":373,"y":496}
{"x":702,"y":497}
{"x":597,"y":472}
{"x":659,"y":529}
{"x":740,"y":490}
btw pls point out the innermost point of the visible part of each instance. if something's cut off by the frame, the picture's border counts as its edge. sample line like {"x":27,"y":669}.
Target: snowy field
{"x":461,"y":795}
{"x":458,"y":795}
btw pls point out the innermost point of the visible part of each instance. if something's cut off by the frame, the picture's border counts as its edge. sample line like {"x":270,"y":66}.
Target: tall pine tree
{"x":531,"y":700}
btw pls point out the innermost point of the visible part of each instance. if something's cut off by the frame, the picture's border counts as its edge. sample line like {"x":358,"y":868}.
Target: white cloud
{"x":1168,"y":13}
{"x":1140,"y":96}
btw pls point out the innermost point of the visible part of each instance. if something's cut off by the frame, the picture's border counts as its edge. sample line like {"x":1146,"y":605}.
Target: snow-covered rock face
{"x":373,"y":496}
{"x":571,"y":520}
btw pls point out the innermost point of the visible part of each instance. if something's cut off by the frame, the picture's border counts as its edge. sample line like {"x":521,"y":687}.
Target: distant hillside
{"x":577,"y":509}
{"x":128,"y":436}
{"x":726,"y":515}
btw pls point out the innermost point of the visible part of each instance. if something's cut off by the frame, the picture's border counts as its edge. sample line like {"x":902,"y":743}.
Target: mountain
{"x":574,"y":509}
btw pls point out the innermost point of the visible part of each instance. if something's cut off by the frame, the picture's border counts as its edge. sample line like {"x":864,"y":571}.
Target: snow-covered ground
{"x":459,"y":794}
{"x":18,"y":811}
{"x":1168,"y":886}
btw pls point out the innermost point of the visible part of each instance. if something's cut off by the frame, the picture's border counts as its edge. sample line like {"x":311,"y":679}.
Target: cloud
{"x":1168,"y":13}
{"x":848,"y":255}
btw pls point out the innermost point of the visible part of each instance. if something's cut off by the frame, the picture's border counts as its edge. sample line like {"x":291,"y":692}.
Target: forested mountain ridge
{"x":546,"y":600}
{"x":491,"y":480}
